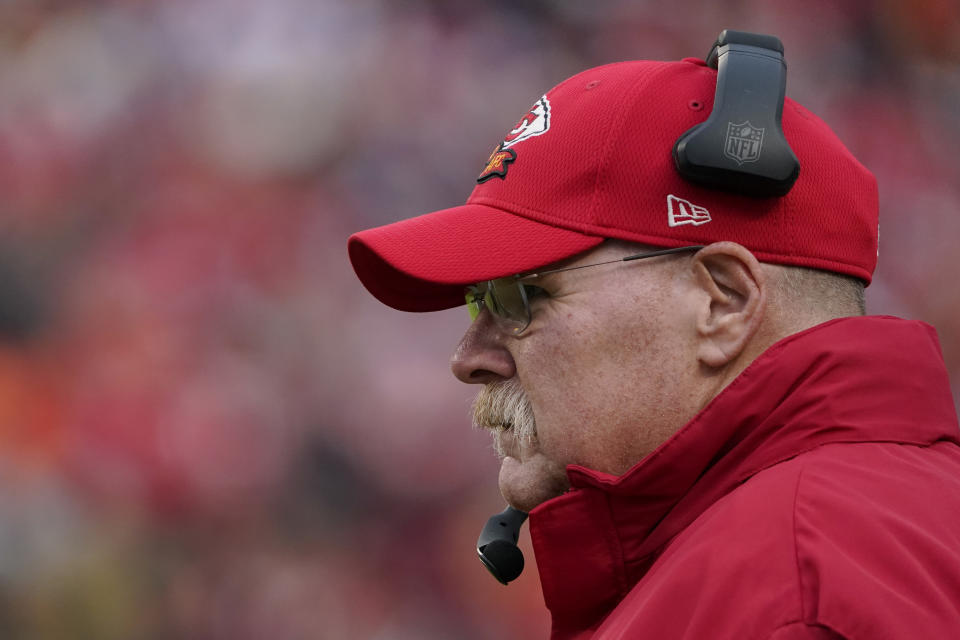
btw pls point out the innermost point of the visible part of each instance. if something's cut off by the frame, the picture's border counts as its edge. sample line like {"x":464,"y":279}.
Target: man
{"x":711,"y":439}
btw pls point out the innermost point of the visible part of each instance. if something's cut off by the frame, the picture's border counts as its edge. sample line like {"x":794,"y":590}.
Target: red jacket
{"x":818,"y":496}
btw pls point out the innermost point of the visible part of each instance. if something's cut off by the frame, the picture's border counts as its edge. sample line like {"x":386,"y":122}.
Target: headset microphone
{"x":497,"y":545}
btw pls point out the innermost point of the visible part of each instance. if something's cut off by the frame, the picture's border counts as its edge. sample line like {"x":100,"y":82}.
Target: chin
{"x":526,"y":484}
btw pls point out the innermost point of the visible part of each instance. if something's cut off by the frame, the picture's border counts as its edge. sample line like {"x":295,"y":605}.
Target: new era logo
{"x":680,"y":211}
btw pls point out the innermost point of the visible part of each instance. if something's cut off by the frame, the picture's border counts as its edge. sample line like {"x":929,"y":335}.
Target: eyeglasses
{"x":508,"y":299}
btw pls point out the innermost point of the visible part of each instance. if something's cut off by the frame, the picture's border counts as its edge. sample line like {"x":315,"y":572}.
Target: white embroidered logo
{"x":680,"y":211}
{"x":536,"y":122}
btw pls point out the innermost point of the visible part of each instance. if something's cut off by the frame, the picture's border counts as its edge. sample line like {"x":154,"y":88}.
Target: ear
{"x":733,"y":295}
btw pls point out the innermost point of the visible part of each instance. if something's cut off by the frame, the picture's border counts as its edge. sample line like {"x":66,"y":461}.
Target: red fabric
{"x":603,"y":168}
{"x":803,"y":631}
{"x":820,"y":489}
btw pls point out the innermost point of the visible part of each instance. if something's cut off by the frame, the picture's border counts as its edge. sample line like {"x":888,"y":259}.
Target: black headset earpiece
{"x":497,"y":545}
{"x":741,"y":146}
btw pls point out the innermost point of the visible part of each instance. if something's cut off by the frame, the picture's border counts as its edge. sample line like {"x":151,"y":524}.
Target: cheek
{"x":599,"y":385}
{"x":571,"y":378}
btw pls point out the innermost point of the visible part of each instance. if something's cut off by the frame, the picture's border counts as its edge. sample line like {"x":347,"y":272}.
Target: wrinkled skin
{"x":609,"y":366}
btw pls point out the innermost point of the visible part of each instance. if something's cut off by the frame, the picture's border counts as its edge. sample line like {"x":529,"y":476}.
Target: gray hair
{"x":832,"y":293}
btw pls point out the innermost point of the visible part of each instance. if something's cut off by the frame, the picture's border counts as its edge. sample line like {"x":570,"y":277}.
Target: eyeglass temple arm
{"x":636,"y":256}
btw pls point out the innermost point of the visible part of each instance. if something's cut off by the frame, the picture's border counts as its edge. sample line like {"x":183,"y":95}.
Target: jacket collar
{"x":596,"y":541}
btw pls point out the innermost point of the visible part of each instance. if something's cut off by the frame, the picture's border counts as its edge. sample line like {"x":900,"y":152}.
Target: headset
{"x":740,"y":148}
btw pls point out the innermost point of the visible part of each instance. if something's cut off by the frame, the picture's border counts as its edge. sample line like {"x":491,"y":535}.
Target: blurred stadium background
{"x":208,"y":430}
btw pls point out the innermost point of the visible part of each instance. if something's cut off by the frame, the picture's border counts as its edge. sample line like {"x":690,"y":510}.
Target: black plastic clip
{"x":741,"y":146}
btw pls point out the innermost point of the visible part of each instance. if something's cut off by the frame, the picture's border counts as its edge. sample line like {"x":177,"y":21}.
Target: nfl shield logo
{"x":743,"y":143}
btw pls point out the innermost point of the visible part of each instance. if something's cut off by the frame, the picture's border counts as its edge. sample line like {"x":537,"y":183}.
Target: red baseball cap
{"x":592,"y":160}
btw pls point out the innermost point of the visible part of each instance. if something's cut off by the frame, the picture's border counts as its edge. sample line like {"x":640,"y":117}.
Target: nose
{"x":481,"y":356}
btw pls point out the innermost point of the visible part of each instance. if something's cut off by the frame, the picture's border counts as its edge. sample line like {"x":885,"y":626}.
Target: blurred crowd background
{"x":208,"y":430}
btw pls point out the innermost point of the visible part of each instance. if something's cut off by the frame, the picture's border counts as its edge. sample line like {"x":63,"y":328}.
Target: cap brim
{"x":424,"y":263}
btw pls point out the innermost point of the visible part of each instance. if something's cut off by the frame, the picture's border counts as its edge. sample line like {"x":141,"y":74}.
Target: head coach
{"x":664,"y":263}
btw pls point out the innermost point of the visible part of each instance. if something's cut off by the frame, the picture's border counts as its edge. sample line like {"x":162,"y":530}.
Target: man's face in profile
{"x":603,"y":374}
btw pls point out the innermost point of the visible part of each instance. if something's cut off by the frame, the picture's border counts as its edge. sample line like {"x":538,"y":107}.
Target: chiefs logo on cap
{"x":534,"y":123}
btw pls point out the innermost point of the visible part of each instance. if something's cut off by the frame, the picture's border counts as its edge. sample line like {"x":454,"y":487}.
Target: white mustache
{"x":503,"y":406}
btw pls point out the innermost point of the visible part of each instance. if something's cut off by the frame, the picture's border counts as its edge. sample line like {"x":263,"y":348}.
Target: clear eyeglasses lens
{"x":506,"y":300}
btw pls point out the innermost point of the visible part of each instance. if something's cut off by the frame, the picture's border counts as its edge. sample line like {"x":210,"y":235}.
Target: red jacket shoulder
{"x":860,"y":538}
